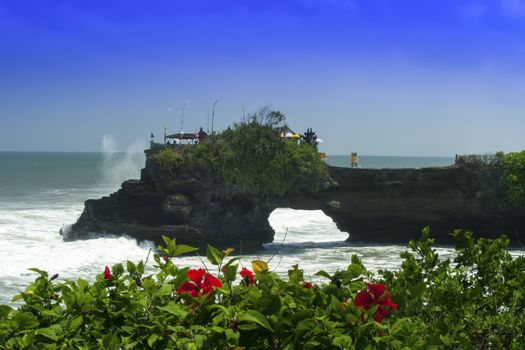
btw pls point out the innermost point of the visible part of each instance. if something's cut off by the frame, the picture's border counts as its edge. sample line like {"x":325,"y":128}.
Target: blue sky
{"x":398,"y":77}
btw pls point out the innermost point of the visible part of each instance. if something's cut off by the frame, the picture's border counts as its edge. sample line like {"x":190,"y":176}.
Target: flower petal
{"x":363,"y":299}
{"x":107,"y":274}
{"x":245,"y":272}
{"x":188,"y":287}
{"x":196,"y":275}
{"x":381,"y":314}
{"x":212,"y":281}
{"x":307,"y":285}
{"x":377,"y":290}
{"x":388,"y":302}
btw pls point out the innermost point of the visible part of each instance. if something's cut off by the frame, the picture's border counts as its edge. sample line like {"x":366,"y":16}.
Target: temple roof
{"x":183,"y":136}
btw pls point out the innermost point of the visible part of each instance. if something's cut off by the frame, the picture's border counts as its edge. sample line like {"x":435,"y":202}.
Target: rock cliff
{"x":393,"y":205}
{"x":372,"y":205}
{"x":195,"y":207}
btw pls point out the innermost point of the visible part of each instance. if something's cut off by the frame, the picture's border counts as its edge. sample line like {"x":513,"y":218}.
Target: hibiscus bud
{"x":337,"y":282}
{"x":234,"y":324}
{"x":107,"y":274}
{"x":54,"y":277}
{"x":166,"y":258}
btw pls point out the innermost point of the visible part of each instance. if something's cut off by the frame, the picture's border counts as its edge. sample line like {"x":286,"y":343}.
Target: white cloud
{"x":513,"y":8}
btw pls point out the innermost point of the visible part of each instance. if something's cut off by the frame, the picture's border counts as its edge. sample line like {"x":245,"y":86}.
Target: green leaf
{"x":166,"y":289}
{"x":16,"y":298}
{"x":152,"y":339}
{"x":227,"y":252}
{"x":446,"y":340}
{"x":47,"y":332}
{"x":110,"y":342}
{"x":5,"y":311}
{"x":26,"y":340}
{"x":355,"y":270}
{"x":182,"y":249}
{"x":232,"y":260}
{"x":170,"y":243}
{"x":230,"y":272}
{"x":255,"y":317}
{"x":323,"y":274}
{"x":25,"y":320}
{"x":131,"y":267}
{"x":117,"y":269}
{"x":174,"y":309}
{"x":40,"y":272}
{"x":82,"y":284}
{"x":213,"y":254}
{"x":75,"y":323}
{"x":342,"y":341}
{"x":269,"y":304}
{"x":140,"y":268}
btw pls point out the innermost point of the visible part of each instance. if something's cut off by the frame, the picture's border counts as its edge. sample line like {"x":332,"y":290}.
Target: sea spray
{"x":120,"y":166}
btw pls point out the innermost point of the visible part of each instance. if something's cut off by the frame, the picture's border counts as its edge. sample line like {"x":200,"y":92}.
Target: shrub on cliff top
{"x":253,"y":156}
{"x":512,"y":179}
{"x":475,"y":302}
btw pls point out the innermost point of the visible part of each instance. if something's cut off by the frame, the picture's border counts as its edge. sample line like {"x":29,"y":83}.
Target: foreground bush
{"x":475,"y":302}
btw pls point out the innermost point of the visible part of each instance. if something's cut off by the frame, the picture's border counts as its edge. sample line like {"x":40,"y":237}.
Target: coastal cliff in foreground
{"x":372,"y":205}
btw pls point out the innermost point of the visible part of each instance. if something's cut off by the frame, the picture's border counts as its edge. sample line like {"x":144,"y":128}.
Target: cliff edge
{"x":194,"y":206}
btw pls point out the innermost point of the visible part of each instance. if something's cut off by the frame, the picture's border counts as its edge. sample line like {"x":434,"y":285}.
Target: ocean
{"x":40,"y":192}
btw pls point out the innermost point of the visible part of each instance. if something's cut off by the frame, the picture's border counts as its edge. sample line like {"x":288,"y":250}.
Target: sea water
{"x":41,"y":192}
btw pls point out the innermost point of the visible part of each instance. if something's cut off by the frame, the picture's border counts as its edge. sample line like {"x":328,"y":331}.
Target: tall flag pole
{"x":166,"y":123}
{"x":213,"y":115}
{"x":208,"y":127}
{"x":182,"y":115}
{"x":165,"y":129}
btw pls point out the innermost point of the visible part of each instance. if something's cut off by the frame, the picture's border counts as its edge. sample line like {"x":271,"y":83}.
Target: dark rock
{"x":192,"y":206}
{"x":393,"y":205}
{"x":372,"y":205}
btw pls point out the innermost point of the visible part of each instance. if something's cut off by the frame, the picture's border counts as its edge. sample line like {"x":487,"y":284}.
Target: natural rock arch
{"x":373,"y":205}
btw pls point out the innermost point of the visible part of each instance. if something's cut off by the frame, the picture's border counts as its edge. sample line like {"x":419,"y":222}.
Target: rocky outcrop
{"x":372,"y":205}
{"x":394,"y":205}
{"x":193,"y":206}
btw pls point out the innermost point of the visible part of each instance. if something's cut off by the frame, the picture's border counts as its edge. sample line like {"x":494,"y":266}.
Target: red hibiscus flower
{"x":107,"y":274}
{"x":375,"y":295}
{"x":307,"y":285}
{"x":200,"y":283}
{"x":247,"y":276}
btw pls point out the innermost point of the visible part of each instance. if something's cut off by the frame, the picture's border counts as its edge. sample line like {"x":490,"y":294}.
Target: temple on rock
{"x":179,"y":140}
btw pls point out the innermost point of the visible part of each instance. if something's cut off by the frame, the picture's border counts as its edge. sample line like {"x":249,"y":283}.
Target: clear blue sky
{"x":380,"y":77}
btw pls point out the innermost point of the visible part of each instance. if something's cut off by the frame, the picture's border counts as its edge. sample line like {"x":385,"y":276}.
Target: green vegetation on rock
{"x":512,"y":180}
{"x":254,"y":156}
{"x":476,"y":301}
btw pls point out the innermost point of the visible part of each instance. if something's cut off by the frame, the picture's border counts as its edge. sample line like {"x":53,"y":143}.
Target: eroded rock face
{"x":194,"y":207}
{"x":394,"y":205}
{"x":372,"y":205}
